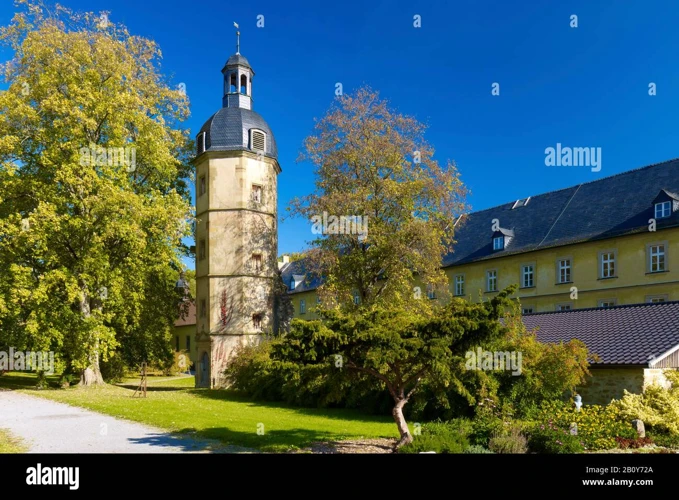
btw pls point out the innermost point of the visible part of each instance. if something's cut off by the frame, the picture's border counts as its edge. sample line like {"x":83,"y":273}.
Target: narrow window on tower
{"x":256,"y":194}
{"x":201,"y":250}
{"x":243,"y":84}
{"x":203,"y":309}
{"x":257,"y":321}
{"x":203,"y":187}
{"x":232,"y":87}
{"x":257,"y":262}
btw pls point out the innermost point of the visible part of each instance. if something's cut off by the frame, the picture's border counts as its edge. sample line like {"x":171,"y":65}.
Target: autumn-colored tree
{"x":374,"y":163}
{"x":94,"y":195}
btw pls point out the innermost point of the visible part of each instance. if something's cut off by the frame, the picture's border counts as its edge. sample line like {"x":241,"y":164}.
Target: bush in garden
{"x":441,"y":437}
{"x":625,"y":443}
{"x":512,"y":441}
{"x":597,"y":426}
{"x":549,"y":438}
{"x":657,"y":407}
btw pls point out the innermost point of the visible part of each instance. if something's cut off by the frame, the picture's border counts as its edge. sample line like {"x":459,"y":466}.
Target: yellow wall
{"x":183,"y":332}
{"x":632,"y":285}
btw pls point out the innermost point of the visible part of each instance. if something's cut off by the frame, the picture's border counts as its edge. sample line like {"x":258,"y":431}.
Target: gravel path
{"x":51,"y":427}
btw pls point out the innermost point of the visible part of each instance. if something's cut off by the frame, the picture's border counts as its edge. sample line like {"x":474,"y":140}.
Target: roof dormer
{"x":296,"y":280}
{"x":501,"y":239}
{"x":665,"y":204}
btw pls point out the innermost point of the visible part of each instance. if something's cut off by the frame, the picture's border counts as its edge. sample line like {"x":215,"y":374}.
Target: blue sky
{"x":581,"y":87}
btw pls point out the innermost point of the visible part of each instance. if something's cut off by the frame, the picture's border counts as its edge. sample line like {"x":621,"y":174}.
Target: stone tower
{"x":236,"y":229}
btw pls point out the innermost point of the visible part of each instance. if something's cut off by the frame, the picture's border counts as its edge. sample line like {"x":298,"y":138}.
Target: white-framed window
{"x":491,"y":280}
{"x":657,"y":258}
{"x":527,"y":310}
{"x":527,"y":276}
{"x":459,"y":285}
{"x":431,"y":292}
{"x":256,"y":193}
{"x":655,"y":299}
{"x":293,"y":283}
{"x":302,"y":306}
{"x":357,"y":298}
{"x":257,"y":140}
{"x":608,"y":302}
{"x":563,"y":307}
{"x":564,"y":270}
{"x":607,"y":264}
{"x":663,"y":209}
{"x":498,"y":243}
{"x":200,"y":143}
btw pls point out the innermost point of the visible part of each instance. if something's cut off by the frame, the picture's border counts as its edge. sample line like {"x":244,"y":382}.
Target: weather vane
{"x":237,"y":38}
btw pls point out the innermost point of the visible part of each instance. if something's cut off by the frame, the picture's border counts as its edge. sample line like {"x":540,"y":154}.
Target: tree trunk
{"x":92,"y":374}
{"x":401,"y":423}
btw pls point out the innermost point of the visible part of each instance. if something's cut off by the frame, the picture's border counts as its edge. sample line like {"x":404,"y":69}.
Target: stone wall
{"x":609,"y":383}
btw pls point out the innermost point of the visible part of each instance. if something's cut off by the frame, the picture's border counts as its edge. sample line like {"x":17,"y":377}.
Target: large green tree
{"x":94,"y":197}
{"x":375,"y":163}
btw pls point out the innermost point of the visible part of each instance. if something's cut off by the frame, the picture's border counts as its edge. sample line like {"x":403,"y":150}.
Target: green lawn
{"x":10,"y":443}
{"x":221,"y":415}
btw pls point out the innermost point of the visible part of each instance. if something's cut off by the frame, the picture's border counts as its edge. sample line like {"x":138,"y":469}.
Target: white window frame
{"x":613,"y":302}
{"x":564,"y":268}
{"x":564,"y":306}
{"x":612,"y":270}
{"x":256,"y":188}
{"x":201,"y":143}
{"x":525,"y":273}
{"x":660,"y":209}
{"x":527,"y":310}
{"x":459,"y":285}
{"x":491,"y":277}
{"x":499,"y":243}
{"x":302,"y":306}
{"x":654,"y":299}
{"x":659,"y":252}
{"x":357,"y":299}
{"x":431,"y":292}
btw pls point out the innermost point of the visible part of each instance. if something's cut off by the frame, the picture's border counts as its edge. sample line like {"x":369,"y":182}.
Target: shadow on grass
{"x":330,"y":413}
{"x":271,"y":441}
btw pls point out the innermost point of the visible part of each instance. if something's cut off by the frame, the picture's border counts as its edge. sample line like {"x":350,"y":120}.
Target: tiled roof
{"x":625,"y":335}
{"x":605,"y":208}
{"x":190,"y":317}
{"x":608,"y":207}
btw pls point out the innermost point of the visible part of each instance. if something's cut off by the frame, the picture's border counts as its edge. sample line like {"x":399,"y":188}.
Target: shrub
{"x":441,"y":437}
{"x":548,"y":438}
{"x":625,"y":443}
{"x":598,"y":426}
{"x":657,"y":407}
{"x":666,"y":440}
{"x":512,"y":441}
{"x":476,"y":449}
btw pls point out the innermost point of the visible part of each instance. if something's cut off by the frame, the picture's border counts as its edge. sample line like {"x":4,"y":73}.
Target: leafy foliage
{"x":440,"y":437}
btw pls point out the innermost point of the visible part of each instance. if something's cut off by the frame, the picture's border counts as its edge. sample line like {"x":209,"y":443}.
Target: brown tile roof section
{"x":189,"y":318}
{"x":625,"y":335}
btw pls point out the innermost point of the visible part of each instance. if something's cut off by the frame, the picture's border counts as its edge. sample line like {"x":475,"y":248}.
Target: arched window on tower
{"x":234,"y":83}
{"x":244,"y":84}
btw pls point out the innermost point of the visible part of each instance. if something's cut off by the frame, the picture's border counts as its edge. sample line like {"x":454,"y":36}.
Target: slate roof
{"x":236,"y":60}
{"x":229,"y":128}
{"x":605,"y":208}
{"x":620,"y":335}
{"x":297,"y":268}
{"x":612,"y":206}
